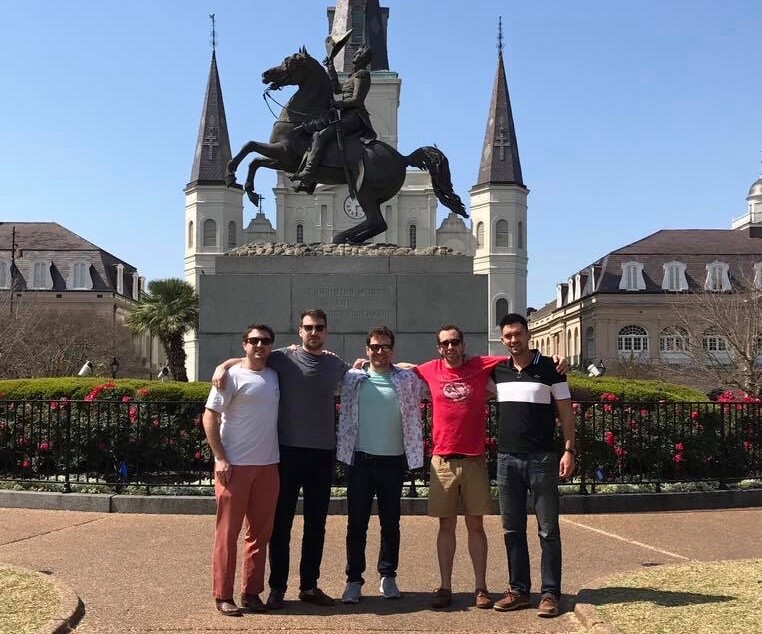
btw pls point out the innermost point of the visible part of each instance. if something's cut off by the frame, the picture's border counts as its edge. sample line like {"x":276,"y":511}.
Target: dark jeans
{"x":311,"y":470}
{"x":381,"y":476}
{"x":538,"y":474}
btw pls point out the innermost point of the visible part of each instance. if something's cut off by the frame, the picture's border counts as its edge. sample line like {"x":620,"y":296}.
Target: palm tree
{"x":167,"y":311}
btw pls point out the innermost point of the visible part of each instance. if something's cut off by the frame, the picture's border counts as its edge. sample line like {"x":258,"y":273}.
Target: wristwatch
{"x":571,"y":450}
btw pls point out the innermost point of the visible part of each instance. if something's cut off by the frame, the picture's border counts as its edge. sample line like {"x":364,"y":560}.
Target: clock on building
{"x":352,"y":209}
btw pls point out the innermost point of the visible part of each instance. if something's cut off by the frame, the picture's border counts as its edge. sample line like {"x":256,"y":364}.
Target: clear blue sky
{"x":631,"y":116}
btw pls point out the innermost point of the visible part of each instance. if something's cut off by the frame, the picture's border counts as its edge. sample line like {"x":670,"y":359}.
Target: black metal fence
{"x":148,"y":444}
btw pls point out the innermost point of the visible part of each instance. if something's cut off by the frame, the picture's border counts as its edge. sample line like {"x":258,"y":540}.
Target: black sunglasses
{"x":254,"y":341}
{"x":316,"y":328}
{"x":380,"y":347}
{"x":449,"y":342}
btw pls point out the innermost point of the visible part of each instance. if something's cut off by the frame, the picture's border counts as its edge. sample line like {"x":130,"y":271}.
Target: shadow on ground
{"x":664,"y":598}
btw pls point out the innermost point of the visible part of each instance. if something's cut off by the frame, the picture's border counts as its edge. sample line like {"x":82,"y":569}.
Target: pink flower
{"x":43,"y":446}
{"x":133,"y":414}
{"x":25,"y":464}
{"x":679,"y":447}
{"x":747,"y":445}
{"x":126,"y":399}
{"x":143,"y":391}
{"x":645,"y":412}
{"x":608,"y":409}
{"x":575,"y":406}
{"x":677,"y":458}
{"x":695,"y":415}
{"x":197,"y":455}
{"x":620,"y":452}
{"x":53,"y":405}
{"x":609,"y":438}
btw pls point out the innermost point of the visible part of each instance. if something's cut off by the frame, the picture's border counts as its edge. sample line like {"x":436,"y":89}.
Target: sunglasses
{"x":255,"y":341}
{"x":449,"y":342}
{"x":317,"y":328}
{"x":379,"y":347}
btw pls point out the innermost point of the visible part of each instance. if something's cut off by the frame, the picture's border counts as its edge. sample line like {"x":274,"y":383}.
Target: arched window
{"x":299,"y":233}
{"x":413,"y":237}
{"x":210,"y":233}
{"x":520,"y":235}
{"x":632,"y":340}
{"x":502,"y":308}
{"x":673,"y":339}
{"x":231,"y":235}
{"x":480,"y":235}
{"x":713,"y":341}
{"x":190,"y":234}
{"x":502,"y":239}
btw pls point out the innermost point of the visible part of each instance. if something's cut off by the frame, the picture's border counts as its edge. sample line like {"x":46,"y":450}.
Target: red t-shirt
{"x":458,"y":396}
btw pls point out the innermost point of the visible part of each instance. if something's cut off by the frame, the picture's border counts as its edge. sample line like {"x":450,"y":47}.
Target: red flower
{"x":133,"y":414}
{"x":53,"y":405}
{"x":677,"y":458}
{"x":197,"y":455}
{"x":645,"y":412}
{"x":609,"y":438}
{"x":695,"y":415}
{"x":608,"y":409}
{"x":143,"y":391}
{"x":747,"y":445}
{"x":575,"y":406}
{"x":25,"y":464}
{"x":620,"y":452}
{"x":43,"y":446}
{"x":126,"y":399}
{"x":679,"y":447}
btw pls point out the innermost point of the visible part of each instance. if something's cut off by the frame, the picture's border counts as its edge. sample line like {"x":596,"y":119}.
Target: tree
{"x":167,"y":310}
{"x":719,"y":337}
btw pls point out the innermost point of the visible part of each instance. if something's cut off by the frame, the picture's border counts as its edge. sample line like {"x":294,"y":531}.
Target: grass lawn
{"x":27,"y":601}
{"x":696,"y":598}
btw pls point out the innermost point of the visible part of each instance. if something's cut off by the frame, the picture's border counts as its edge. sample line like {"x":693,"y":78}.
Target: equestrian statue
{"x":324,"y":135}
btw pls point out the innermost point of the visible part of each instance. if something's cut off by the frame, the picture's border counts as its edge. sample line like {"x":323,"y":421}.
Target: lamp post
{"x":114,"y":367}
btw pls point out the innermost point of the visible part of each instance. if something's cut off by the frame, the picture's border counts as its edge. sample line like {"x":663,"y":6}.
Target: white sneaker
{"x":352,"y":592}
{"x":389,"y":588}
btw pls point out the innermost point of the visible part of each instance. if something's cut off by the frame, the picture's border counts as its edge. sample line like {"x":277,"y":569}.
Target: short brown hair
{"x":315,"y":313}
{"x":380,"y":331}
{"x":450,"y":327}
{"x":264,"y":327}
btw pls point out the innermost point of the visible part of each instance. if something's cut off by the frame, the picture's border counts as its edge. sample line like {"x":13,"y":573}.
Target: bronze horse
{"x":377,"y":169}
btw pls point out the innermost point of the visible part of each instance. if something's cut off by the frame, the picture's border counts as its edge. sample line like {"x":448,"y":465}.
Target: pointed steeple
{"x":213,"y":143}
{"x":500,"y":156}
{"x":368,"y":23}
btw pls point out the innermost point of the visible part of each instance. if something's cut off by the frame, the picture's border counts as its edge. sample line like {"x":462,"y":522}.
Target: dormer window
{"x":79,"y":276}
{"x":5,"y":274}
{"x":632,"y":277}
{"x":674,"y":277}
{"x":41,"y":278}
{"x":717,"y":276}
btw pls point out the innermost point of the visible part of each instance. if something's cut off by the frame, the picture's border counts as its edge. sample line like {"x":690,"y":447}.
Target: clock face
{"x":352,"y":209}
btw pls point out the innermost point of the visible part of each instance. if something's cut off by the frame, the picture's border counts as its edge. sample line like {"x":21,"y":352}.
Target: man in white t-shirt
{"x":241,"y":425}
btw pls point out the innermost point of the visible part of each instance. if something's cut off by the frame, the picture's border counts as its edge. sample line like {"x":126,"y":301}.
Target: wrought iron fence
{"x":149,"y":444}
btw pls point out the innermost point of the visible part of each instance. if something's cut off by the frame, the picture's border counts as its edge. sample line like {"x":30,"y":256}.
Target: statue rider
{"x":349,"y":113}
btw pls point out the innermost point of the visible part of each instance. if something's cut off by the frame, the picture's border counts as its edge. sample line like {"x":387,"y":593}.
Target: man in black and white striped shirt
{"x":531,"y":394}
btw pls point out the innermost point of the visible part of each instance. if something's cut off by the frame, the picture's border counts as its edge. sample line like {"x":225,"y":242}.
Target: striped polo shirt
{"x":526,"y":413}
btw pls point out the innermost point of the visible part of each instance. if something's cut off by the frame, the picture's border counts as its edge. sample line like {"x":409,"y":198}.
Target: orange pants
{"x":251,"y":493}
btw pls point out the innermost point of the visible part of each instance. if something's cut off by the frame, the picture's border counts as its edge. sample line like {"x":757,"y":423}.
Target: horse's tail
{"x":435,"y":163}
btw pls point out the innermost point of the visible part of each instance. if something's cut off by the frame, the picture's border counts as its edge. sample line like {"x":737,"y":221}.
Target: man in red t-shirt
{"x":459,"y":477}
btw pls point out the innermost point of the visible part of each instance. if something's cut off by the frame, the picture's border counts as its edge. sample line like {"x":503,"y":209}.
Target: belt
{"x":378,"y":458}
{"x":455,"y":456}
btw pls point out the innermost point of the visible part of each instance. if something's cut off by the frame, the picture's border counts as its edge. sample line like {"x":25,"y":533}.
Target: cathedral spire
{"x":368,"y":23}
{"x":500,"y":162}
{"x":213,"y":144}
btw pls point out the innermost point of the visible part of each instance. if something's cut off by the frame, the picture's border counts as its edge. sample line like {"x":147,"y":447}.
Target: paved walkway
{"x":151,"y":573}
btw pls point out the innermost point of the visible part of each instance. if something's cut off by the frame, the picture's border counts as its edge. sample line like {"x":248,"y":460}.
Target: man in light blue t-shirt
{"x":379,"y":438}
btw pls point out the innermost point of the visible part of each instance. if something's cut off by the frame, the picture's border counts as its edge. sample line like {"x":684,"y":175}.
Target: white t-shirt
{"x":249,"y":408}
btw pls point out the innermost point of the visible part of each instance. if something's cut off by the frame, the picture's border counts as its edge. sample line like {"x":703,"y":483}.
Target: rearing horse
{"x":377,"y":168}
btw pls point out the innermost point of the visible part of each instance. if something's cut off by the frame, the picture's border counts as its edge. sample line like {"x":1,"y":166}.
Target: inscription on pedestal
{"x":350,"y":304}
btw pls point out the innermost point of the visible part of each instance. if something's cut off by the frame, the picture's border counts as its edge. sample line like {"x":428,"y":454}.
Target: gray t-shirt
{"x":306,"y":414}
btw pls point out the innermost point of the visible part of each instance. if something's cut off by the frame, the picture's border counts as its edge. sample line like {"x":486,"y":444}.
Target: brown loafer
{"x":548,"y":606}
{"x":275,"y":600}
{"x":227,"y":607}
{"x":483,"y":599}
{"x":442,"y":599}
{"x":252,"y":603}
{"x":316,"y":597}
{"x":512,"y":601}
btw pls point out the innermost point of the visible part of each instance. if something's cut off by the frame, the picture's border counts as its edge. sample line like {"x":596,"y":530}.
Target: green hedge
{"x":75,"y":388}
{"x":585,"y":388}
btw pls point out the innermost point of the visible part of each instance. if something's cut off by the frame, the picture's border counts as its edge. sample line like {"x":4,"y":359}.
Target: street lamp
{"x":114,"y":367}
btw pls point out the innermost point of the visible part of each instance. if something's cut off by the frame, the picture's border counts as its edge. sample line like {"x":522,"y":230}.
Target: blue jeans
{"x":381,"y":476}
{"x":312,"y":471}
{"x":538,"y":474}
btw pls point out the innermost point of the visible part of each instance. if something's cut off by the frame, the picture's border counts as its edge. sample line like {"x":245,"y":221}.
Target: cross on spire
{"x":214,"y":34}
{"x":500,"y":34}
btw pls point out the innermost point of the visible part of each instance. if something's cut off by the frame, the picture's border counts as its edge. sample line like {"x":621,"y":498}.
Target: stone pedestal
{"x":412,"y":292}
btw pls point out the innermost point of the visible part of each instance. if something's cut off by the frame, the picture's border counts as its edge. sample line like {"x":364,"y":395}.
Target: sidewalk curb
{"x":70,"y":607}
{"x":587,"y":614}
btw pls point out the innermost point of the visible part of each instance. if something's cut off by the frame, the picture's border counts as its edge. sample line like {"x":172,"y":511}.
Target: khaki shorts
{"x":459,"y":486}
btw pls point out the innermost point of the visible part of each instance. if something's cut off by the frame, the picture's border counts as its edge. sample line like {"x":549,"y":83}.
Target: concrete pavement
{"x":151,"y":573}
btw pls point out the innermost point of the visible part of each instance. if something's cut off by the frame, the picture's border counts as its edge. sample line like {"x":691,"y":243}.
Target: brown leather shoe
{"x":483,"y":599}
{"x":252,"y":603}
{"x":548,"y":606}
{"x":275,"y":600}
{"x":442,"y":599}
{"x":512,"y":601}
{"x":227,"y":607}
{"x":316,"y":597}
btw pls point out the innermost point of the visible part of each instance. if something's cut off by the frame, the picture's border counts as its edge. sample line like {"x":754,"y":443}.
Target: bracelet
{"x":573,"y":452}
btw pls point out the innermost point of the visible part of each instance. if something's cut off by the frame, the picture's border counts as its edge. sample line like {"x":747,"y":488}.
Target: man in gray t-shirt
{"x":307,"y":437}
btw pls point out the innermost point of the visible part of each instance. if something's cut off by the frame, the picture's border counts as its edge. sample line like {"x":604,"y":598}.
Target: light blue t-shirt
{"x":380,"y":422}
